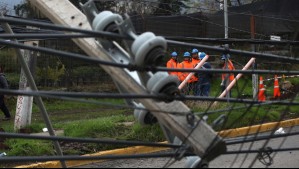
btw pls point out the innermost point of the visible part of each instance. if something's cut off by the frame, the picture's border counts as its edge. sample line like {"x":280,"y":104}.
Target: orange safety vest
{"x":183,"y":75}
{"x":172,"y":64}
{"x":194,"y":63}
{"x":230,"y":66}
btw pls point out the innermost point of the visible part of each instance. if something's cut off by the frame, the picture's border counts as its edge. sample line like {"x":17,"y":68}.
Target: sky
{"x":10,"y":4}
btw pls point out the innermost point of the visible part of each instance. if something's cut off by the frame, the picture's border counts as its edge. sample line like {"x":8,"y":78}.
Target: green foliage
{"x":52,"y":74}
{"x":13,"y":80}
{"x":294,"y":81}
{"x":87,"y":71}
{"x":9,"y":59}
{"x":29,"y":148}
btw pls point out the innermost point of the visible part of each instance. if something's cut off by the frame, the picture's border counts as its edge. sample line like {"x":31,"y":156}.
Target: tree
{"x":24,"y":10}
{"x":4,"y":9}
{"x":168,"y":7}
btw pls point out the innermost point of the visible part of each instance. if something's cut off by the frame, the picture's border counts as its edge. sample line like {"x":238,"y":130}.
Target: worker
{"x":173,"y":63}
{"x":204,"y":78}
{"x":186,"y":64}
{"x":195,"y":61}
{"x":227,"y":78}
{"x":4,"y":85}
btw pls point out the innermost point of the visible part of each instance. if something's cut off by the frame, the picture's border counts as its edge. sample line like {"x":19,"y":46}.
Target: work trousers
{"x":4,"y":108}
{"x":204,"y":89}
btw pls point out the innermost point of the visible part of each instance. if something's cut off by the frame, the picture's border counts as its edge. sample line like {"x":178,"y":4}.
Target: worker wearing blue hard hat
{"x":174,"y":54}
{"x":195,"y":61}
{"x":204,"y":78}
{"x":201,"y":55}
{"x":187,"y":54}
{"x":186,"y":64}
{"x":173,"y":63}
{"x":227,"y":78}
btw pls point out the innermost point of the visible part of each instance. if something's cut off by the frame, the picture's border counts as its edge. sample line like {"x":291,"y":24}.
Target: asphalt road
{"x":288,"y":159}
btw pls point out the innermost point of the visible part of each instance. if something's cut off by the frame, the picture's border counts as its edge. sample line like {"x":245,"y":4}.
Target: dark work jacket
{"x":204,"y":77}
{"x":3,"y":83}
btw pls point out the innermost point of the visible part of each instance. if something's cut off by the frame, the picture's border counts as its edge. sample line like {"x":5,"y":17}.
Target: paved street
{"x":288,"y":159}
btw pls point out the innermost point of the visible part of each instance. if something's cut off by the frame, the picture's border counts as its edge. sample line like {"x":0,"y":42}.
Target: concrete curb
{"x":258,"y":128}
{"x":128,"y":151}
{"x":142,"y":149}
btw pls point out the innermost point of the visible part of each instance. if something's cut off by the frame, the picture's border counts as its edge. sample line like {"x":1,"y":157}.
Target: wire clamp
{"x":191,"y":120}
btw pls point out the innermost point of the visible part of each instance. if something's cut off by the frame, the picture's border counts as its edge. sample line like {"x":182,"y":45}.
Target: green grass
{"x":82,"y":120}
{"x":97,"y":128}
{"x":19,"y":147}
{"x":79,"y":119}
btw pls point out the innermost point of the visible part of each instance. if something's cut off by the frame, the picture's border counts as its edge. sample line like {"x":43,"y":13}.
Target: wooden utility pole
{"x":198,"y":135}
{"x":33,"y":86}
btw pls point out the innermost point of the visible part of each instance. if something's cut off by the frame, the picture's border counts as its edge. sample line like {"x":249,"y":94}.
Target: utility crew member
{"x":195,"y":61}
{"x":3,"y":85}
{"x":204,"y":78}
{"x":173,"y":63}
{"x":227,"y":78}
{"x":186,"y":64}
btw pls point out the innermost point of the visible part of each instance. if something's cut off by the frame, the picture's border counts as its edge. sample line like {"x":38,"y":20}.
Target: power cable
{"x":68,"y":158}
{"x":133,"y":68}
{"x":140,"y":96}
{"x":87,"y":140}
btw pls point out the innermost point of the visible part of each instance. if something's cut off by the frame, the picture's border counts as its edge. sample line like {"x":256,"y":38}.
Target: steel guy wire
{"x":213,"y":23}
{"x":248,"y":132}
{"x":169,"y":41}
{"x":77,"y":157}
{"x":281,"y":144}
{"x":42,"y":35}
{"x":273,"y":132}
{"x":67,"y":96}
{"x":86,"y":140}
{"x":233,"y":40}
{"x":60,"y":28}
{"x":192,"y":130}
{"x":238,"y":13}
{"x":257,"y":151}
{"x":140,"y":96}
{"x":150,"y":68}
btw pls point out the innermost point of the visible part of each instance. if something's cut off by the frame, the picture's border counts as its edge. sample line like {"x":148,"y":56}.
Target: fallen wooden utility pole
{"x":200,"y":136}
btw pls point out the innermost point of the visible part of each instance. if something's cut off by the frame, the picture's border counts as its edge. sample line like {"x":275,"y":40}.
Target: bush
{"x":13,"y":80}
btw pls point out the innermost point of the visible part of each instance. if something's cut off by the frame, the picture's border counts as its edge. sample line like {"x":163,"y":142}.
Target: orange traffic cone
{"x":276,"y":88}
{"x":261,"y":95}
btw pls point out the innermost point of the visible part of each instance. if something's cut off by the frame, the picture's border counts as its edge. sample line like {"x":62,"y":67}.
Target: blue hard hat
{"x":224,"y":57}
{"x":202,"y":55}
{"x":174,"y":54}
{"x":194,"y":51}
{"x":187,"y":54}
